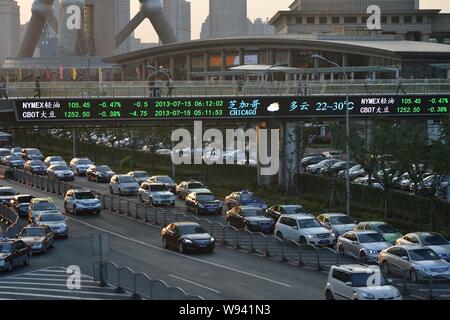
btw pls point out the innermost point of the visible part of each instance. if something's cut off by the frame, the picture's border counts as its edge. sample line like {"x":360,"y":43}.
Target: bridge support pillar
{"x":265,"y":175}
{"x":290,"y":156}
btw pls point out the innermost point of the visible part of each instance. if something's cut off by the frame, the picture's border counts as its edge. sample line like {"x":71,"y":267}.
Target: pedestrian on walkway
{"x":368,"y":83}
{"x":37,"y":88}
{"x":170,"y":87}
{"x":240,"y":86}
{"x":158,"y":87}
{"x":400,"y":85}
{"x":3,"y":89}
{"x":302,"y":90}
{"x":151,"y":88}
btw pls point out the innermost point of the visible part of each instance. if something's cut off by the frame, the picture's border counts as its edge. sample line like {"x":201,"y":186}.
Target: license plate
{"x":324,"y":241}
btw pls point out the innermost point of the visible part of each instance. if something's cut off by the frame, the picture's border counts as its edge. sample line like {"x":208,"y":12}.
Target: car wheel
{"x":96,"y":179}
{"x":340,"y":249}
{"x":66,"y":210}
{"x":44,"y":251}
{"x":210,"y":250}
{"x":120,"y":192}
{"x":51,"y":244}
{"x":303,"y":240}
{"x":78,"y":173}
{"x":165,"y":244}
{"x":413,"y":276}
{"x":152,"y":203}
{"x":181,"y":248}
{"x":111,"y":191}
{"x":385,"y":268}
{"x":329,"y":295}
{"x":197,"y":211}
{"x":188,"y":209}
{"x":75,"y":211}
{"x":10,"y":266}
{"x":279,"y":235}
{"x":27,"y":260}
{"x":362,"y":255}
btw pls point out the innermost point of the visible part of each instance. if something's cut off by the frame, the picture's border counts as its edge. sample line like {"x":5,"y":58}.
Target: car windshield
{"x":423,"y":254}
{"x":309,"y":223}
{"x":36,"y":163}
{"x":33,"y":152}
{"x":195,"y":186}
{"x":84,"y":162}
{"x":84,"y":196}
{"x":141,"y":174}
{"x":205,"y":197}
{"x":55,"y":159}
{"x":127,"y":179}
{"x":8,"y":192}
{"x":254,"y":212}
{"x":294,"y":210}
{"x":191,"y":229}
{"x":5,"y":247}
{"x":60,"y":168}
{"x":341,"y":220}
{"x":434,"y":240}
{"x":24,"y":199}
{"x":44,"y":206}
{"x":51,"y":218}
{"x":103,"y":168}
{"x":16,"y":157}
{"x":33,"y":232}
{"x":158,"y":188}
{"x":165,"y":179}
{"x":364,"y":279}
{"x":4,"y":153}
{"x":385,"y":228}
{"x":249,"y":197}
{"x":370,"y":238}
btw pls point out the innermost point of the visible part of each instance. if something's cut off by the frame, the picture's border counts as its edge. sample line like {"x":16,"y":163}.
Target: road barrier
{"x":270,"y":246}
{"x":140,"y":285}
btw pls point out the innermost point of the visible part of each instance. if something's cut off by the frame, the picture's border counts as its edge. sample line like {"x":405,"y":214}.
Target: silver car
{"x":139,"y":176}
{"x":123,"y":185}
{"x":362,"y":244}
{"x":416,"y":262}
{"x":434,"y":241}
{"x":340,"y":223}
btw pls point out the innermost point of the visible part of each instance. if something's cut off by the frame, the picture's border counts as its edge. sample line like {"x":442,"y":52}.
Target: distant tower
{"x":123,"y":16}
{"x":178,"y":13}
{"x":9,"y":29}
{"x":228,"y":18}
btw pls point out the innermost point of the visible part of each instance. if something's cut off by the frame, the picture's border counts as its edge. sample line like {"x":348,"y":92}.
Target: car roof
{"x":356,"y":267}
{"x":363,"y":231}
{"x":423,"y":233}
{"x":291,"y":206}
{"x":7,"y":188}
{"x":411,"y":246}
{"x":187,"y":223}
{"x":42,"y":200}
{"x":249,"y":207}
{"x":203,"y":191}
{"x":80,"y":190}
{"x":300,"y":216}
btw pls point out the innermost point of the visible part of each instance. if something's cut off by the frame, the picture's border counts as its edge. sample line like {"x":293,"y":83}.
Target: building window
{"x":323,"y":20}
{"x":350,"y":20}
{"x":335,"y":20}
{"x":395,"y":19}
{"x":383,"y":19}
{"x":408,"y":19}
{"x":419,"y":19}
{"x":310,"y":20}
{"x":364,"y":19}
{"x":298,"y":20}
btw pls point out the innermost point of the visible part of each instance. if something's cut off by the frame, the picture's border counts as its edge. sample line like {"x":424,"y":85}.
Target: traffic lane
{"x":230,"y":272}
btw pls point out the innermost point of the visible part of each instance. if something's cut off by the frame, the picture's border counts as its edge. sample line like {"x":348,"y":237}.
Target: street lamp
{"x":347,"y":124}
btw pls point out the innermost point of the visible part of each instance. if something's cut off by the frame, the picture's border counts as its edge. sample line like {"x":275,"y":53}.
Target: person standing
{"x":170,"y":87}
{"x":368,"y":83}
{"x":37,"y":87}
{"x":301,"y":87}
{"x":151,"y":88}
{"x":400,"y":85}
{"x":3,"y":89}
{"x":158,"y":86}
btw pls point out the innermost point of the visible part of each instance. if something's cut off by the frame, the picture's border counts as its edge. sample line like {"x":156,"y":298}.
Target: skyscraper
{"x":178,"y":12}
{"x":9,"y":29}
{"x":260,"y":28}
{"x":228,"y":18}
{"x":122,"y":12}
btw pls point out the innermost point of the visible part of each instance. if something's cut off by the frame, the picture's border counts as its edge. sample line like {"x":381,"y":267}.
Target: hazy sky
{"x":256,"y":9}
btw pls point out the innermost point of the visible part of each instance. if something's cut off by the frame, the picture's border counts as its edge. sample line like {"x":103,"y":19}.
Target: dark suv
{"x":13,"y":253}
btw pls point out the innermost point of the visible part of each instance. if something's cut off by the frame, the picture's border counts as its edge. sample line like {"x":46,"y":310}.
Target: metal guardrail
{"x":227,"y":88}
{"x":269,"y":246}
{"x":140,"y":285}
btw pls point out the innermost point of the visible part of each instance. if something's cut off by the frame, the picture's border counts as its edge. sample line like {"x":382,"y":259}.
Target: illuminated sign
{"x":240,"y":108}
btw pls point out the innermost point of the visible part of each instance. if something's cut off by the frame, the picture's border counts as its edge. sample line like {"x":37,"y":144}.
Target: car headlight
{"x":37,"y":245}
{"x":311,"y":236}
{"x":212,"y":239}
{"x":372,"y":251}
{"x":367,"y":295}
{"x":187,"y":240}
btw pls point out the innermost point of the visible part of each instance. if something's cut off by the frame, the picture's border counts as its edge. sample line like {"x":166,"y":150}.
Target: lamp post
{"x":347,"y":125}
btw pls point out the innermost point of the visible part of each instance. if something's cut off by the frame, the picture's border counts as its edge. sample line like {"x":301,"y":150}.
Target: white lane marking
{"x":52,"y":285}
{"x":195,"y":283}
{"x":63,"y":291}
{"x":38,"y":279}
{"x":180,"y":255}
{"x":59,"y":276}
{"x":23,"y":294}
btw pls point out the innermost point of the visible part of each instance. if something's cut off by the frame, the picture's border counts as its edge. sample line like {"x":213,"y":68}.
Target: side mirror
{"x":295,"y":227}
{"x":405,"y":258}
{"x":348,"y":283}
{"x":389,"y":281}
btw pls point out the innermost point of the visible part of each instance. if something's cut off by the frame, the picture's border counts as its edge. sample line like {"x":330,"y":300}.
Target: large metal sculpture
{"x":152,"y":10}
{"x":73,"y":41}
{"x":41,"y":13}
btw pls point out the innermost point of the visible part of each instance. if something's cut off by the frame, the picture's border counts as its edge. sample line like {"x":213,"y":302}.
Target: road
{"x":225,"y":275}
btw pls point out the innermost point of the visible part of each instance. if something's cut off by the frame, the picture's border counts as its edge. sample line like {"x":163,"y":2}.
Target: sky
{"x":256,"y":9}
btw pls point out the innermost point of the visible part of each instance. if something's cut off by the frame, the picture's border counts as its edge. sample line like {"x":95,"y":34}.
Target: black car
{"x":35,"y":167}
{"x":7,"y":194}
{"x":203,"y":202}
{"x":187,"y":236}
{"x":276,"y":211}
{"x":13,"y":253}
{"x":32,"y":154}
{"x":311,"y":160}
{"x":251,"y":218}
{"x":99,"y":173}
{"x":334,"y":169}
{"x":20,"y":204}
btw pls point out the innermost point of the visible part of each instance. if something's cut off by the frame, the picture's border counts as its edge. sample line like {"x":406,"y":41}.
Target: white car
{"x":60,"y":172}
{"x":156,"y":194}
{"x":80,"y":165}
{"x":338,"y":222}
{"x":123,"y":185}
{"x":359,"y":282}
{"x":362,"y":244}
{"x":82,"y":201}
{"x":52,"y":160}
{"x":139,"y":176}
{"x":434,"y":241}
{"x":318,"y":167}
{"x":304,"y":228}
